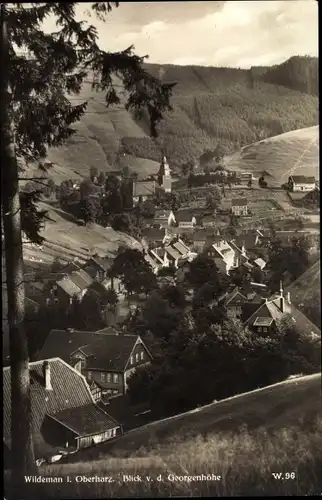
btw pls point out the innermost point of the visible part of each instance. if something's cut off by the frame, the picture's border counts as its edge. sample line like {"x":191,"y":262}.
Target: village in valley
{"x":161,"y":250}
{"x":221,"y":257}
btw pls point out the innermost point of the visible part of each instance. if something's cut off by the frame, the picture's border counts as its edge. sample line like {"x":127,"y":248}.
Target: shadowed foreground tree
{"x":38,"y":73}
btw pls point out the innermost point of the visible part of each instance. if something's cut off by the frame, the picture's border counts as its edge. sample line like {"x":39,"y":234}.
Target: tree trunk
{"x":21,"y":440}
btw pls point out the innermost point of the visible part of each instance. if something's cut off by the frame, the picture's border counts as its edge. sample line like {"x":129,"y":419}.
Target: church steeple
{"x":164,"y":175}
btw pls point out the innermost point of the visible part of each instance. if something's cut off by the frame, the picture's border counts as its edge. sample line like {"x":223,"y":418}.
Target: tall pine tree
{"x":39,"y":72}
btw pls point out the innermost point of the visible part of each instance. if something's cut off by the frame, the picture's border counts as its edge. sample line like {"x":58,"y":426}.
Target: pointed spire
{"x":281,"y":289}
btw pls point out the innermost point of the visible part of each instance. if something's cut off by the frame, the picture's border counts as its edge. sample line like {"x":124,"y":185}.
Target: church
{"x":164,"y":176}
{"x":143,"y":190}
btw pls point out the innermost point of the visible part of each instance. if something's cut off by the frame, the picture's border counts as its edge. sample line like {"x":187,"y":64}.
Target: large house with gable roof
{"x":107,"y":358}
{"x":65,"y":417}
{"x":265,"y":317}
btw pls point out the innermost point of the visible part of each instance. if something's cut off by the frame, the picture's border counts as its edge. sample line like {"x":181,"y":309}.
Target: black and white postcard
{"x":160,"y":225}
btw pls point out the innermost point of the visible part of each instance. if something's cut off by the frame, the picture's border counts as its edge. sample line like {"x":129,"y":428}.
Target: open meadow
{"x":243,"y":440}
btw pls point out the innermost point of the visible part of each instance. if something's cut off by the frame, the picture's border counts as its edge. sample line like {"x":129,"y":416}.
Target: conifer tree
{"x":39,"y":71}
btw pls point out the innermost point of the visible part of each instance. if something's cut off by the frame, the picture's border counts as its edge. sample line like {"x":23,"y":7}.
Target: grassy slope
{"x":67,"y":240}
{"x":283,"y":435}
{"x":294,"y":152}
{"x":307,"y":286}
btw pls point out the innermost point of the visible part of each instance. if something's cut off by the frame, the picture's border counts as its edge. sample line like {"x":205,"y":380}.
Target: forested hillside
{"x":211,"y":106}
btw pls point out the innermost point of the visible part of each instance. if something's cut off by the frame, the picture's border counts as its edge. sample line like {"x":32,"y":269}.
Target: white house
{"x":186,"y":219}
{"x":239,"y":206}
{"x":298,"y":183}
{"x":225,"y":257}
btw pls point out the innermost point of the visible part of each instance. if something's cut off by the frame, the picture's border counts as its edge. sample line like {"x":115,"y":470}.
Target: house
{"x":155,"y":262}
{"x":234,"y":303}
{"x":260,"y":263}
{"x":110,"y":360}
{"x":208,"y":221}
{"x":64,"y":414}
{"x":186,"y":219}
{"x":301,"y":183}
{"x":181,"y":247}
{"x":239,"y":207}
{"x":152,"y":236}
{"x":204,"y":236}
{"x":225,"y":257}
{"x":98,"y":267}
{"x":70,"y":288}
{"x":164,"y":218}
{"x":173,"y":256}
{"x":249,"y":239}
{"x":143,"y":190}
{"x":264,"y":319}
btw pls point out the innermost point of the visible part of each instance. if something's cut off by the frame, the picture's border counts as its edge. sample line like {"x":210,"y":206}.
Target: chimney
{"x":47,"y":377}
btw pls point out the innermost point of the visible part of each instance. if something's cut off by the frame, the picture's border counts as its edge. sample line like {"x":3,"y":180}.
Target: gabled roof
{"x":70,"y":392}
{"x":235,"y":298}
{"x":273,"y":310}
{"x":69,"y":286}
{"x":110,"y":352}
{"x":181,"y":247}
{"x":153,"y":233}
{"x":144,"y":188}
{"x":185,"y":216}
{"x":81,"y":279}
{"x":173,"y":252}
{"x":151,"y":260}
{"x":86,"y":420}
{"x":61,"y":343}
{"x":303,"y":179}
{"x":239,"y":202}
{"x":101,"y":263}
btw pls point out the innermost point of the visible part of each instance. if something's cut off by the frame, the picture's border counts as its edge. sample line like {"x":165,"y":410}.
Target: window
{"x":113,"y":432}
{"x":115,"y":378}
{"x":70,"y":300}
{"x":137,"y":357}
{"x":132,"y":360}
{"x":115,"y":392}
{"x":103,"y":377}
{"x":142,"y":355}
{"x":265,"y":329}
{"x":108,"y":377}
{"x":89,"y":375}
{"x":259,"y":328}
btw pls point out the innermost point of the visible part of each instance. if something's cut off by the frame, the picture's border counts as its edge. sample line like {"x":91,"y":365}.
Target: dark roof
{"x":184,"y":215}
{"x":62,"y":343}
{"x":239,"y":202}
{"x":144,"y":188}
{"x":303,"y":179}
{"x":101,"y":263}
{"x":153,"y":233}
{"x":69,"y":391}
{"x":110,"y":352}
{"x":85,"y":420}
{"x":81,"y":279}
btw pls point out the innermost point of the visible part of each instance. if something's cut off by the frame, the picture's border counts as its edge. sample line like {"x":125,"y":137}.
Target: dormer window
{"x":137,"y":357}
{"x":142,"y":355}
{"x":132,"y":360}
